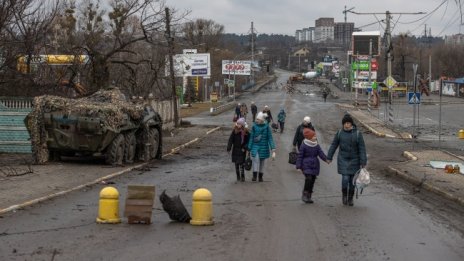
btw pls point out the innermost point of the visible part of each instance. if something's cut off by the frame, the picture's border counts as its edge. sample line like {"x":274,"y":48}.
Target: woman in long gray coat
{"x":259,"y":145}
{"x":351,"y":156}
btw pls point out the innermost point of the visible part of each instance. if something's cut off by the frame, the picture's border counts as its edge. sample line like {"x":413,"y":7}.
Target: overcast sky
{"x":286,"y":16}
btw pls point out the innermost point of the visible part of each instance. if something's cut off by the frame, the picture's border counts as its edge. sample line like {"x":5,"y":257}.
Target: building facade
{"x":324,"y":30}
{"x":304,"y":35}
{"x":342,"y":34}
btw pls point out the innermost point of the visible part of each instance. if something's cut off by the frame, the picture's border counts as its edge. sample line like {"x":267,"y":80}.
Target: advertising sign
{"x":236,"y":67}
{"x":364,"y":65}
{"x":192,"y":64}
{"x":364,"y":75}
{"x":361,"y":42}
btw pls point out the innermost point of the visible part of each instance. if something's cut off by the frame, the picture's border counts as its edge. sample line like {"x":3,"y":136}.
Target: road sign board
{"x":389,"y":81}
{"x":414,"y":98}
{"x":345,"y":80}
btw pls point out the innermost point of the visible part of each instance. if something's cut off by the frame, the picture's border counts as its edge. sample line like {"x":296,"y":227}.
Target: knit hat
{"x":307,"y":119}
{"x":308,"y":133}
{"x":241,"y":122}
{"x":260,"y":116}
{"x":347,"y":118}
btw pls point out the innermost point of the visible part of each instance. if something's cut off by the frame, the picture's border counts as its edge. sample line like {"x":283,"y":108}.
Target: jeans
{"x":347,"y":182}
{"x":258,"y":164}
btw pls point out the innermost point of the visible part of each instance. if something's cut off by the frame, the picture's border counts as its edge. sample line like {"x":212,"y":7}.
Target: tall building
{"x":457,"y":39}
{"x":324,"y":30}
{"x":304,"y":35}
{"x":342,"y":34}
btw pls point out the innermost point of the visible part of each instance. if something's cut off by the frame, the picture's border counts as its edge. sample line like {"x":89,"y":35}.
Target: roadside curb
{"x":425,"y":185}
{"x":371,"y":129}
{"x":110,"y":176}
{"x":409,"y":155}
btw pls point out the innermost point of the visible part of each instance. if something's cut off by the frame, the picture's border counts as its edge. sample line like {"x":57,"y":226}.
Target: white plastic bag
{"x":361,"y":180}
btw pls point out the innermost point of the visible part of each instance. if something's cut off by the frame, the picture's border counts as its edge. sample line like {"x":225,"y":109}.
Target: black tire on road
{"x":115,"y":151}
{"x":153,"y":139}
{"x":130,"y":147}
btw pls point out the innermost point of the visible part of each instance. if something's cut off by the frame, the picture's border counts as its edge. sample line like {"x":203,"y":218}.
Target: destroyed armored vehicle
{"x":103,"y":124}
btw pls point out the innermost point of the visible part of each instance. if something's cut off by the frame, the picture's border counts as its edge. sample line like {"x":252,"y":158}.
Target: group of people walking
{"x":257,"y":144}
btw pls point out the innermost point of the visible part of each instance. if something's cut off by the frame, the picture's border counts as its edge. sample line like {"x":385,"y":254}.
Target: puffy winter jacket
{"x":352,"y":153}
{"x":261,"y":140}
{"x":308,"y":160}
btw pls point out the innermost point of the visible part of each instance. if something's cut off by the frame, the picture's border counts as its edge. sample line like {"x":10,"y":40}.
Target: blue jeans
{"x":347,"y":182}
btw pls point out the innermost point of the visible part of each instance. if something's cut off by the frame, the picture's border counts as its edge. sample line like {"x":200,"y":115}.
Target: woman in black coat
{"x":238,"y":141}
{"x":298,"y":138}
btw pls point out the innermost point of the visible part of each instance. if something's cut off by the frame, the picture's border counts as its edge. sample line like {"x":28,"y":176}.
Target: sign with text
{"x":197,"y":64}
{"x":364,"y":75}
{"x":236,"y":67}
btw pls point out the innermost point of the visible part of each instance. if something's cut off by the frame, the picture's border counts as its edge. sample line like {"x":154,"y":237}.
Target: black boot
{"x":345,"y":196}
{"x":304,"y":197}
{"x":260,"y":177}
{"x":237,"y":171}
{"x":350,"y":197}
{"x":310,"y":201}
{"x":242,"y":174}
{"x":255,"y":174}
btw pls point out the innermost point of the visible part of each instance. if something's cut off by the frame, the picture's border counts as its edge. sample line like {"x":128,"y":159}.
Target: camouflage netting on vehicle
{"x":109,"y":105}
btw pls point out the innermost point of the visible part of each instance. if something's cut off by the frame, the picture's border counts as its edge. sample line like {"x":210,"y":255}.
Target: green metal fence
{"x":14,"y":137}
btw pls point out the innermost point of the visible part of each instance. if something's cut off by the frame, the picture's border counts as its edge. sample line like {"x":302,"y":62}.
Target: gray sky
{"x":286,"y":16}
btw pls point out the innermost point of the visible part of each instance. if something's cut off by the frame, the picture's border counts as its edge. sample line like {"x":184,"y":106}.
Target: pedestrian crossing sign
{"x":414,"y":97}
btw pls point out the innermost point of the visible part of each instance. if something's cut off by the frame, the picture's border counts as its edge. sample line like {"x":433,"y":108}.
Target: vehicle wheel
{"x":115,"y":151}
{"x":153,"y":139}
{"x":54,"y":156}
{"x":129,"y":148}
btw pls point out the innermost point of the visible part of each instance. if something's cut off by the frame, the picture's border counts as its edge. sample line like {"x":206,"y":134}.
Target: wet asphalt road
{"x":253,"y":221}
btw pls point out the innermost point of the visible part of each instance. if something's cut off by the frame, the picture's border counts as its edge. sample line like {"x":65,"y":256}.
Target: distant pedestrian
{"x":260,"y":145}
{"x":267,"y":111}
{"x":299,"y":137}
{"x":351,"y":156}
{"x":243,"y":110}
{"x":325,"y":93}
{"x":254,"y":110}
{"x":238,"y":142}
{"x":237,"y":110}
{"x":308,"y":162}
{"x":281,"y":119}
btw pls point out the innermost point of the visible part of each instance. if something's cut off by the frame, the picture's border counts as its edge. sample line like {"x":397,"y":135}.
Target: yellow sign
{"x":389,"y":81}
{"x":213,"y":97}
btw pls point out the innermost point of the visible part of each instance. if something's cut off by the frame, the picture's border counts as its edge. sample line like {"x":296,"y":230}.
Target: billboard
{"x":236,"y":67}
{"x":360,"y":43}
{"x":191,"y":64}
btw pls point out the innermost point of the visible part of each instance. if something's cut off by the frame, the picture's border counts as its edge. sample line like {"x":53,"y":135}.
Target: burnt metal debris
{"x":102,"y":124}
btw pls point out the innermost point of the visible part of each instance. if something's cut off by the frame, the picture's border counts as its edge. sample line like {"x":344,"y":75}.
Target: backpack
{"x":360,"y":180}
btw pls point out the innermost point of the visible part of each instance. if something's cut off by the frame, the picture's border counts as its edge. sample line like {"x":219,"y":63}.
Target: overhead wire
{"x":451,"y":21}
{"x":427,"y":15}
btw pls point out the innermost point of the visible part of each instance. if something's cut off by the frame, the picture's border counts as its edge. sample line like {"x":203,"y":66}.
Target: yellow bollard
{"x":461,"y":134}
{"x":108,"y":207}
{"x":202,"y":208}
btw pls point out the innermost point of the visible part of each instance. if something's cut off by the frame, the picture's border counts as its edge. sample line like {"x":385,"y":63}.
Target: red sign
{"x":374,"y":65}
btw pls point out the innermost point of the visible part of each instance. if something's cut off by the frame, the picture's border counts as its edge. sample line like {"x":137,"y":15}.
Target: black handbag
{"x":248,"y":163}
{"x":292,"y":156}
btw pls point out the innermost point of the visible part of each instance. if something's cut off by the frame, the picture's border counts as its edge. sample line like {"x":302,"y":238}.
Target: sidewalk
{"x":417,"y":170}
{"x":23,"y":188}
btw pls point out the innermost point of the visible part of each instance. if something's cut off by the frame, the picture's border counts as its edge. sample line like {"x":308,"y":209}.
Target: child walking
{"x":308,"y":162}
{"x":238,"y":141}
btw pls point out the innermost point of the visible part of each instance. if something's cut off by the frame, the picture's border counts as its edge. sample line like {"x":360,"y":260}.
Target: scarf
{"x":310,"y":143}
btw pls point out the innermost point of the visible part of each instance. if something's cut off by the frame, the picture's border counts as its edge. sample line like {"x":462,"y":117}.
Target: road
{"x":253,"y":221}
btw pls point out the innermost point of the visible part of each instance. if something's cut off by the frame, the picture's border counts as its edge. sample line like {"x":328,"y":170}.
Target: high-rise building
{"x":304,"y":35}
{"x":342,"y":34}
{"x":324,"y":30}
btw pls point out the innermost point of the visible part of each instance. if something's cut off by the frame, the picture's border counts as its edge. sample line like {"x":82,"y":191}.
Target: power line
{"x":427,"y":15}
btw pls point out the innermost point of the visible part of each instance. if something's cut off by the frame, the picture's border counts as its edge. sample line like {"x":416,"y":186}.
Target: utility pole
{"x":252,"y":51}
{"x":170,"y":40}
{"x":389,"y":49}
